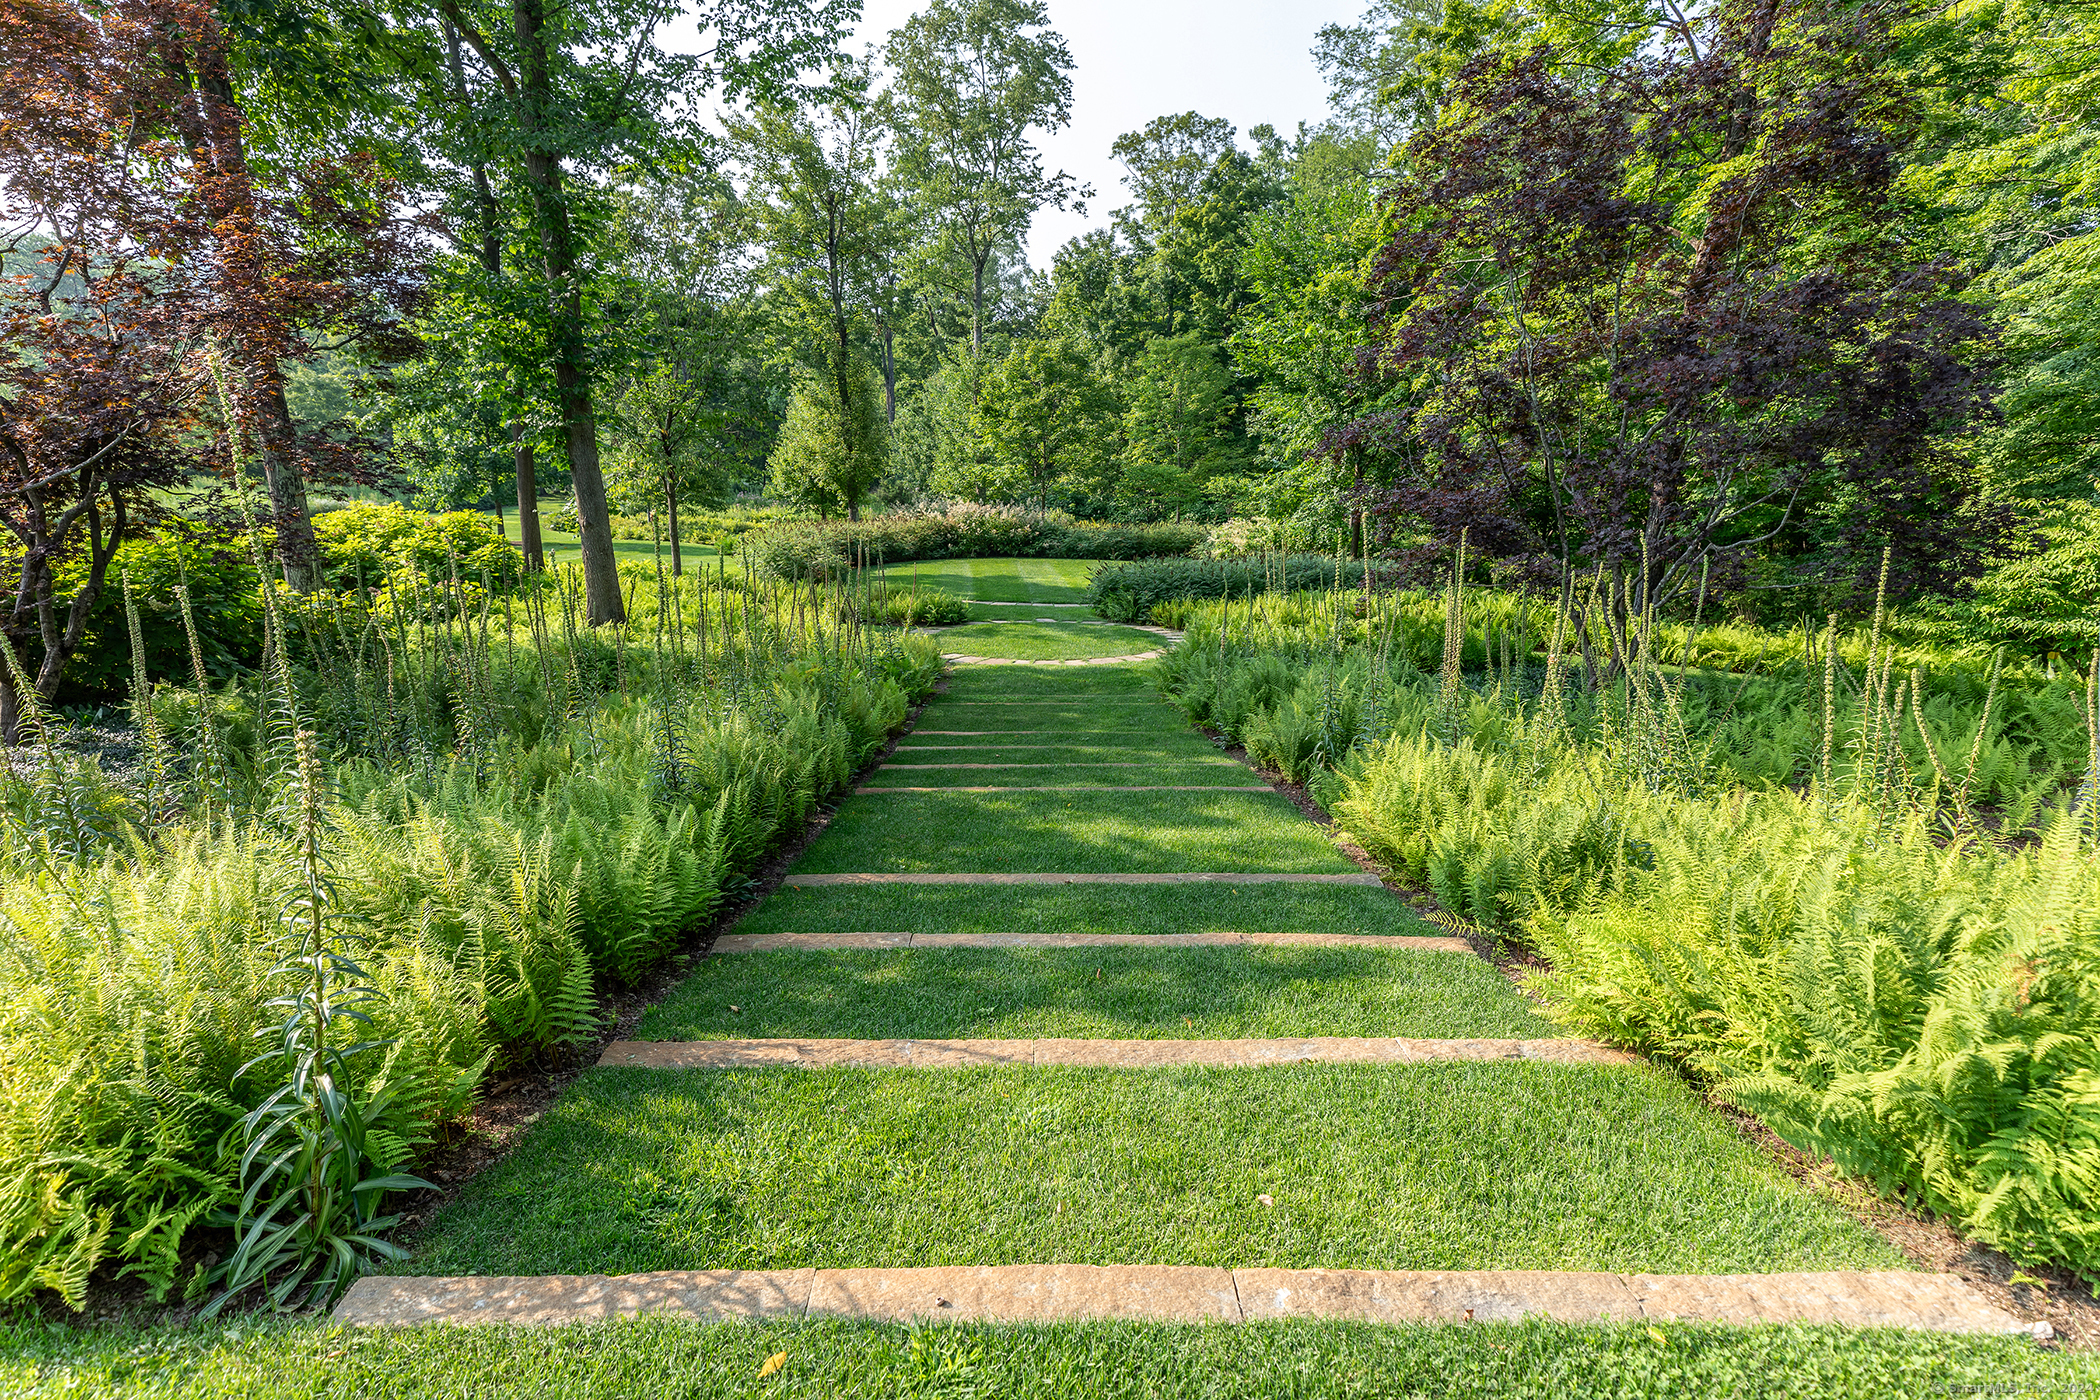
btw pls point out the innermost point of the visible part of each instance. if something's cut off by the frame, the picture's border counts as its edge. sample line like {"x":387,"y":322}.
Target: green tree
{"x":973,"y":79}
{"x":1177,"y":427}
{"x":565,"y":97}
{"x":831,"y":453}
{"x":1045,"y":414}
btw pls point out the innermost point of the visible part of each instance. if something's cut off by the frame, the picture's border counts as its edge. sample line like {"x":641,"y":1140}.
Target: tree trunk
{"x":601,"y":573}
{"x":528,"y":498}
{"x":213,"y":132}
{"x":671,"y":500}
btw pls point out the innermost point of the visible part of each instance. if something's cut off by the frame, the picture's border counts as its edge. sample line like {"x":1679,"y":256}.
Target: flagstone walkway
{"x":1108,"y":1072}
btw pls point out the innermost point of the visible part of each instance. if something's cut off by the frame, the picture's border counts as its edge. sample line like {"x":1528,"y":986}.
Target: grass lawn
{"x":1001,"y":580}
{"x":261,"y":1359}
{"x":1047,"y":641}
{"x":1135,"y":681}
{"x":1205,"y":908}
{"x":1070,"y":774}
{"x":1053,"y":748}
{"x":1461,"y":1166}
{"x":1073,"y":832}
{"x":988,"y":718}
{"x":1092,"y":993}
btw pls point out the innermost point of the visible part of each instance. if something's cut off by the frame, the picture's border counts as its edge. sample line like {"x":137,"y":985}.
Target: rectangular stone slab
{"x":1027,"y":1293}
{"x":1938,"y":1302}
{"x":1393,"y":1295}
{"x":1167,"y":1293}
{"x":812,"y":1053}
{"x":713,"y":1295}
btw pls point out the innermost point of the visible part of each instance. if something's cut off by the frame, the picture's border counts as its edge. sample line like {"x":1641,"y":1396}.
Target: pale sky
{"x":1249,"y":61}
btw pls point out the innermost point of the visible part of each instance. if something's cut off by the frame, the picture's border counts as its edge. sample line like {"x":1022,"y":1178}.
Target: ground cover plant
{"x":1441,"y":1166}
{"x":1530,"y":1360}
{"x":1854,"y":948}
{"x":1047,"y":641}
{"x":447,"y":817}
{"x":1093,"y":993}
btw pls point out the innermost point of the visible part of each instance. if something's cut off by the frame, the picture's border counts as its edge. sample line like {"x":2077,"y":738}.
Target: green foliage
{"x":1783,"y":887}
{"x":369,"y":541}
{"x":1046,"y":417}
{"x":802,"y":551}
{"x":523,"y":813}
{"x":1133,"y":592}
{"x":834,"y":445}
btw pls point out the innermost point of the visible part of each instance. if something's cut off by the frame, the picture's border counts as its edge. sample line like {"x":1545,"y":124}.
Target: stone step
{"x":1037,"y":1293}
{"x":812,"y":1053}
{"x":965,"y":659}
{"x":769,"y":942}
{"x":1054,"y":878}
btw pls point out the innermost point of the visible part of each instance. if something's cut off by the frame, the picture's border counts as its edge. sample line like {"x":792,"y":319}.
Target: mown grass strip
{"x":1078,"y":832}
{"x":1191,"y":993}
{"x":1046,"y":641}
{"x":1509,"y":1165}
{"x":265,"y":1359}
{"x":1213,"y":907}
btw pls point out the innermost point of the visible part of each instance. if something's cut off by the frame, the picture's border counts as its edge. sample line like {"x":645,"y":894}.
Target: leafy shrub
{"x":224,"y":600}
{"x":924,"y":607}
{"x":811,"y":549}
{"x":1130,"y":592}
{"x":370,"y":540}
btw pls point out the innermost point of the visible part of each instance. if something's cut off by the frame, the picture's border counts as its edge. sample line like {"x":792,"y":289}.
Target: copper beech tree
{"x":1670,"y":319}
{"x":154,"y":286}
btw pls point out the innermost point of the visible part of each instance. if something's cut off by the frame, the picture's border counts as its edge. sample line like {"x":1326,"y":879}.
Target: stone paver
{"x":1182,"y":1293}
{"x":960,"y":659}
{"x":1058,"y":878}
{"x":767,"y":942}
{"x":818,"y":1053}
{"x":1028,"y":1293}
{"x":713,"y":1295}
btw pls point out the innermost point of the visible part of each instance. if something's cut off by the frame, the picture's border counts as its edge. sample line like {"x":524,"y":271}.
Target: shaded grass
{"x":680,"y":1360}
{"x":1073,"y":832}
{"x":1047,"y":641}
{"x":1206,"y":908}
{"x":1103,"y":774}
{"x":1024,"y":748}
{"x":1093,"y":993}
{"x":1458,"y":1166}
{"x":1042,"y":720}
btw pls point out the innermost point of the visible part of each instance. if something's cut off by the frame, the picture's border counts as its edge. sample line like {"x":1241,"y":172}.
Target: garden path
{"x":1076,"y":1049}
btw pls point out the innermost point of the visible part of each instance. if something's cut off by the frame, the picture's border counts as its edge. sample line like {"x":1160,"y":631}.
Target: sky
{"x":1249,"y":61}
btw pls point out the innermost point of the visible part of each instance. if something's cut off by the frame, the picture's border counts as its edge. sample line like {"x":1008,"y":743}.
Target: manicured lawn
{"x":1205,"y":908}
{"x":1073,"y":832}
{"x":1092,"y":993}
{"x":1001,"y":580}
{"x":259,"y":1359}
{"x":1460,"y":1166}
{"x":1040,"y":774}
{"x":1047,"y":641}
{"x":983,"y":717}
{"x":1135,"y":681}
{"x":1052,"y":748}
